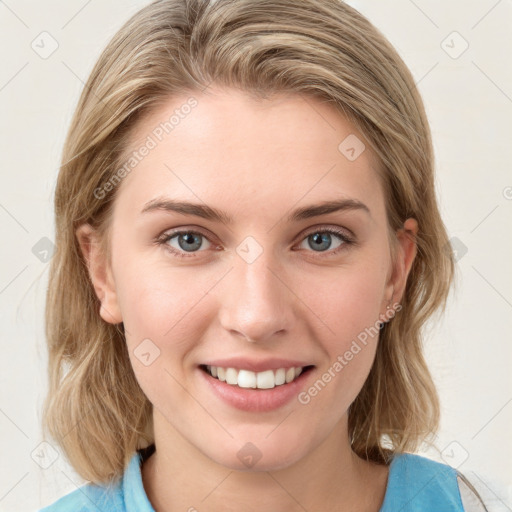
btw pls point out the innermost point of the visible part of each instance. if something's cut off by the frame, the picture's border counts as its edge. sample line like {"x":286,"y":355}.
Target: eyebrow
{"x":207,"y":212}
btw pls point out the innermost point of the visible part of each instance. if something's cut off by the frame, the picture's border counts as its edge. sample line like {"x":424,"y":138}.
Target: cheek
{"x":156,"y":301}
{"x":163,"y":319}
{"x":164,"y":315}
{"x":346,"y":300}
{"x":348,"y":304}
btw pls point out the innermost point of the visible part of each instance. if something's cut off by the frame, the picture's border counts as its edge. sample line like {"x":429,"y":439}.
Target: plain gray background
{"x":459,"y":53}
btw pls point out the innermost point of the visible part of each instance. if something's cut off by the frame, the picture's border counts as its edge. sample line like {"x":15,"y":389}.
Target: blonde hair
{"x":95,"y":408}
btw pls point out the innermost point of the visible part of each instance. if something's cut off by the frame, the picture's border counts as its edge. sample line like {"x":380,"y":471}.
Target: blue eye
{"x":322,"y":239}
{"x":189,"y":242}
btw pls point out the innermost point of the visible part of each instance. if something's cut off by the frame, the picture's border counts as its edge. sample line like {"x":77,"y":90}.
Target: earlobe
{"x":99,"y":273}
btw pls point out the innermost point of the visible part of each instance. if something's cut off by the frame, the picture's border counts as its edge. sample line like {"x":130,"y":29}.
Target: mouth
{"x":246,"y":379}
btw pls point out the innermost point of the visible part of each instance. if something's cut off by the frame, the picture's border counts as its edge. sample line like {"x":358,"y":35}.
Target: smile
{"x":267,"y":379}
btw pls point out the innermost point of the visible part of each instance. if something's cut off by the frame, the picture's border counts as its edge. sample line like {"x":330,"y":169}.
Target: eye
{"x":321,"y":239}
{"x":187,"y":241}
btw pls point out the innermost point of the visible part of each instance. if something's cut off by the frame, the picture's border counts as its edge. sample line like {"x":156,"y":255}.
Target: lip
{"x":255,"y":400}
{"x":241,"y":363}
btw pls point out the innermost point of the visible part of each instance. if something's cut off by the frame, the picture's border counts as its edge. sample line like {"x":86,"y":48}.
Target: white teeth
{"x":260,"y":380}
{"x":246,"y":379}
{"x":280,"y":376}
{"x":231,"y":376}
{"x":266,"y":379}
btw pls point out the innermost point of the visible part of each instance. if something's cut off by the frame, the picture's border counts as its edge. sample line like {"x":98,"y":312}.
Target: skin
{"x":257,"y":161}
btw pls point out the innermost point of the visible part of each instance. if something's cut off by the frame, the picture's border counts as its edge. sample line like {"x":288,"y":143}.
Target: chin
{"x":260,"y":454}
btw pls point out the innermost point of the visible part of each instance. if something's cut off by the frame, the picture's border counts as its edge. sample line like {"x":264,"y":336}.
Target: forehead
{"x":228,"y":147}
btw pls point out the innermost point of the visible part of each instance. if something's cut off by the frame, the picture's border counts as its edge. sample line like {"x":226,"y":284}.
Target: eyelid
{"x":331,"y":229}
{"x":312,"y":229}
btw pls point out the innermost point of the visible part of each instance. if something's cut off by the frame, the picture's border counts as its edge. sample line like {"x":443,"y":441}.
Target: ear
{"x":99,"y":273}
{"x":406,"y":252}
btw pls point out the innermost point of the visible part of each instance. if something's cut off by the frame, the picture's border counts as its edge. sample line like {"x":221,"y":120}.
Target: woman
{"x":248,"y":246}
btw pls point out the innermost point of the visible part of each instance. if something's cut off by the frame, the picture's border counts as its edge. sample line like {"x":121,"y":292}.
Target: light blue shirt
{"x":415,"y":484}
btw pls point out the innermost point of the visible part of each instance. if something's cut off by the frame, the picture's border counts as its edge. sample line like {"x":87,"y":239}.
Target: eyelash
{"x":347,"y":241}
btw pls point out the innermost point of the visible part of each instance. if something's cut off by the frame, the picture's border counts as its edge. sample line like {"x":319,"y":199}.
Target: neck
{"x":332,"y":477}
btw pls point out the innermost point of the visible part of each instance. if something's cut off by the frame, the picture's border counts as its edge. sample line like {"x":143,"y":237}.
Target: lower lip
{"x":256,"y":400}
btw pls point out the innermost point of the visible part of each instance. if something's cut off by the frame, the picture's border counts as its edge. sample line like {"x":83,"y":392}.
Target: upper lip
{"x":241,"y":363}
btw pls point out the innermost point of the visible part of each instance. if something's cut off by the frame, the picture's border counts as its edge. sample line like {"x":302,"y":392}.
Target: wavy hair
{"x":95,"y":409}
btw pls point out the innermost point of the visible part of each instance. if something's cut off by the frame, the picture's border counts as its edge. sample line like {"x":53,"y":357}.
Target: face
{"x":261,"y":288}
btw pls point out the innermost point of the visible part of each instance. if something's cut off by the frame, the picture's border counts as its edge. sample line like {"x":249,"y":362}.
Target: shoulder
{"x":416,"y":483}
{"x":89,"y":498}
{"x":125,"y":495}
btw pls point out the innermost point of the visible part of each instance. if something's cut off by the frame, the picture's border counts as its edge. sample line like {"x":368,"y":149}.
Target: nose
{"x":257,"y":303}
